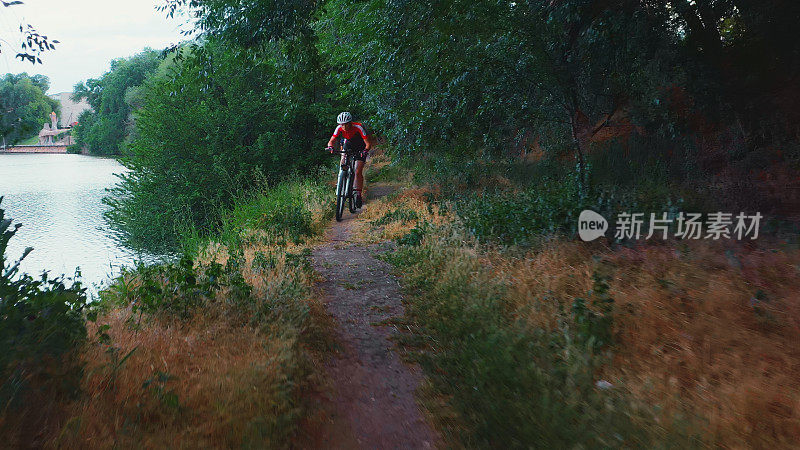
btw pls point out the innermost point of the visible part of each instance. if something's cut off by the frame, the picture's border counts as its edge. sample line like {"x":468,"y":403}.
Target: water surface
{"x":58,"y":200}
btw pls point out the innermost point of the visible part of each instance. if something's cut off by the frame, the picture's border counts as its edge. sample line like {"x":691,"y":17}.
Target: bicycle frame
{"x":344,"y":185}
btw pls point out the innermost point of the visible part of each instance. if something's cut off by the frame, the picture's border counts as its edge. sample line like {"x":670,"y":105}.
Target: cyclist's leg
{"x":359,"y":175}
{"x":359,"y":183}
{"x":358,"y":146}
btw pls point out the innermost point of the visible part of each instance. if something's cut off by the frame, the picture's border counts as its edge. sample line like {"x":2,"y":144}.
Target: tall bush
{"x":211,"y":131}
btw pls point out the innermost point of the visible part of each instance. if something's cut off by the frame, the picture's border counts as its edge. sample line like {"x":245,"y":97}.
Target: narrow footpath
{"x":369,"y":402}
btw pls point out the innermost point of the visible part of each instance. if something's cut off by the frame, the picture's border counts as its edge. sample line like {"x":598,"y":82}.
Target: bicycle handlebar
{"x":341,"y":152}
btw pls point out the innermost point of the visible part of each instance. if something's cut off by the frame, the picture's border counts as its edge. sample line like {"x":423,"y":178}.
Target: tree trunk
{"x":579,"y":153}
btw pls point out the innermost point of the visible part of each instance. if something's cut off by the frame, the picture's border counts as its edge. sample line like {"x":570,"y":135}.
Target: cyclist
{"x":358,"y":142}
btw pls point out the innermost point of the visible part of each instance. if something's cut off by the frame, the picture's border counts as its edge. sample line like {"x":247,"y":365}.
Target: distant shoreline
{"x":35,"y":149}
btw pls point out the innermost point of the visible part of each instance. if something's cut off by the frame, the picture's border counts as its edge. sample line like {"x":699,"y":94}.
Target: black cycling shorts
{"x":357,"y":146}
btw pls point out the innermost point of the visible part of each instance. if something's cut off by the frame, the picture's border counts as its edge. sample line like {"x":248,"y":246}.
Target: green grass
{"x":33,"y":140}
{"x":518,"y":203}
{"x":401,"y":215}
{"x":291,"y":211}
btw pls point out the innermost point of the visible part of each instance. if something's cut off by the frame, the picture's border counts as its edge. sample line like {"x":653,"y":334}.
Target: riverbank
{"x":546,"y":342}
{"x":215,"y":350}
{"x":46,"y":149}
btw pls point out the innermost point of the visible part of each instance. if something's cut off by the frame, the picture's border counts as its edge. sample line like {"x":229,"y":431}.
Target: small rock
{"x":603,"y":384}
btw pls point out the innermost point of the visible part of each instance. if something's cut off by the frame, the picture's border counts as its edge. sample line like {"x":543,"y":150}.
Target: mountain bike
{"x":344,"y":185}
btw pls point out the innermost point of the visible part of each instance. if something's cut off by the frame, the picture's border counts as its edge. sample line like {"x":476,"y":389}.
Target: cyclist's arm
{"x":335,"y":134}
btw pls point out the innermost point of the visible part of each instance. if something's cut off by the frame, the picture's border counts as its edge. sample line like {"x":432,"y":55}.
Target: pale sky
{"x":91,"y":32}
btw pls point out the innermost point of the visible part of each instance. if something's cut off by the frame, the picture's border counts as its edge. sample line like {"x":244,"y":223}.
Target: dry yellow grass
{"x":705,"y":329}
{"x":693,"y":333}
{"x":409,"y":199}
{"x":378,"y":160}
{"x":690,"y":334}
{"x":223,"y":377}
{"x":217,"y":379}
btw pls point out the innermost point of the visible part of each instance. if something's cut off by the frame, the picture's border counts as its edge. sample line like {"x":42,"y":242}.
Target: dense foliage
{"x":569,"y":77}
{"x":106,"y":128}
{"x":628,"y":93}
{"x":205,"y":140}
{"x":24,"y":107}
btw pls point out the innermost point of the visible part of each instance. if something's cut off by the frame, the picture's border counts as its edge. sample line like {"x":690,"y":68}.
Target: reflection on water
{"x":58,"y":200}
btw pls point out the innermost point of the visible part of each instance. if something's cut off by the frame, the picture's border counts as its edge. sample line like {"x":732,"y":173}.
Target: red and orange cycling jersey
{"x":356,"y":131}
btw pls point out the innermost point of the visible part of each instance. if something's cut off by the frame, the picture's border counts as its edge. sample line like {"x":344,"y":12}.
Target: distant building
{"x":70,"y":110}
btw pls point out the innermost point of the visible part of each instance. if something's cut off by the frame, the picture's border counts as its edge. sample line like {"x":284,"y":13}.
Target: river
{"x":58,"y":200}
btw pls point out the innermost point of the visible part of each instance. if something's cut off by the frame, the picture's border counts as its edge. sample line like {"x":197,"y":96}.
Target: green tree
{"x":24,"y":107}
{"x":105,"y":129}
{"x":451,"y":78}
{"x":491,"y":76}
{"x":213,"y":128}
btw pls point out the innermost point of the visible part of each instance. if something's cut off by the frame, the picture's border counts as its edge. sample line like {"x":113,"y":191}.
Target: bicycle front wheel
{"x":351,"y":198}
{"x":341,"y":193}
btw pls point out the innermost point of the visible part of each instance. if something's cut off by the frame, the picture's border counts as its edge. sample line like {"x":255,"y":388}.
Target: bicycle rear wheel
{"x":341,"y":192}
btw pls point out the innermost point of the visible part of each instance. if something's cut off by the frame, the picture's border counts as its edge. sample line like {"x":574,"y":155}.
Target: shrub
{"x":414,"y":236}
{"x":41,"y":327}
{"x":551,"y":206}
{"x":517,"y":218}
{"x":594,"y":325}
{"x":283,"y":212}
{"x":176,"y":288}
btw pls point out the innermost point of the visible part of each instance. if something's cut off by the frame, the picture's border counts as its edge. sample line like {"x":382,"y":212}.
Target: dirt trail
{"x":369,"y":402}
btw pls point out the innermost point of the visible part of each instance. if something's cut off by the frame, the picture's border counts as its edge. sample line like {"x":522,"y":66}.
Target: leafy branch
{"x":32,"y":42}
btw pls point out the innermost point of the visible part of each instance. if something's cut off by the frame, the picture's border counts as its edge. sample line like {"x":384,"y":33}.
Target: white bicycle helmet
{"x":344,"y":118}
